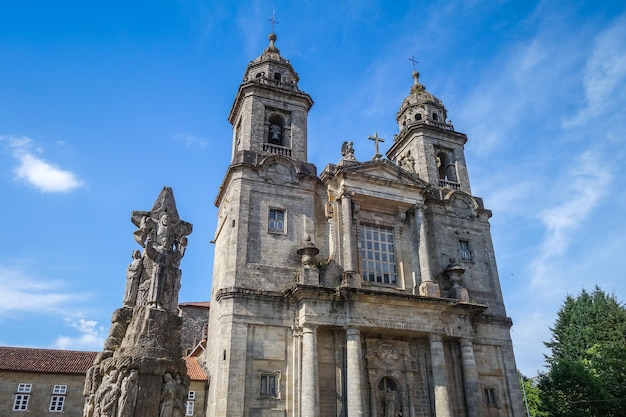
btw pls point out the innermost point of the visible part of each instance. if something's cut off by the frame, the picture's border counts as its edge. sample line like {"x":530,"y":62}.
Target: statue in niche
{"x":390,"y":400}
{"x":133,"y":275}
{"x":347,"y":152}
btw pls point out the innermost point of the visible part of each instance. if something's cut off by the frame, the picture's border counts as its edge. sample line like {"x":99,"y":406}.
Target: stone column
{"x":471,"y":385}
{"x":349,"y":278}
{"x":427,"y":288}
{"x":309,"y":390}
{"x":354,"y":371}
{"x":440,"y":376}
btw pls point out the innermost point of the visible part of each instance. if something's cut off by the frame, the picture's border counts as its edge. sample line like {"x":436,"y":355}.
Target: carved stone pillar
{"x":440,"y":376}
{"x":427,"y":288}
{"x":309,"y":389}
{"x":470,"y":379}
{"x":354,"y":377}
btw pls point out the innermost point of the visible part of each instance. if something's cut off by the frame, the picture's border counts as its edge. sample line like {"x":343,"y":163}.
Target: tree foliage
{"x":587,"y":367}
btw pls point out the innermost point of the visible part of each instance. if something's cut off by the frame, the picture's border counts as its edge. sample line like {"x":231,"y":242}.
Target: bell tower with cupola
{"x":269,"y":115}
{"x":427,"y":142}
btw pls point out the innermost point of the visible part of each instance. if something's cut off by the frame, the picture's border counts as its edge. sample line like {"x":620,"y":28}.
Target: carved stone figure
{"x":119,"y":324}
{"x":347,"y":152}
{"x":390,"y":403}
{"x":133,"y":275}
{"x":128,"y":395}
{"x":107,"y":396}
{"x":168,"y":396}
{"x":179,"y":400}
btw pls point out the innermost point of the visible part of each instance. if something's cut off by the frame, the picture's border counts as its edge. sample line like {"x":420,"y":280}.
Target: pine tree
{"x":586,"y":369}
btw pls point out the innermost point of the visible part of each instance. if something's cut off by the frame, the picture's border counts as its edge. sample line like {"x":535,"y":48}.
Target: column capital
{"x":309,"y":328}
{"x":435,"y":338}
{"x":353,"y":331}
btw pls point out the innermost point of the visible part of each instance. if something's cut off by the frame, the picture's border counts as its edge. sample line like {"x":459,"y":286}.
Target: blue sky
{"x":104,"y":103}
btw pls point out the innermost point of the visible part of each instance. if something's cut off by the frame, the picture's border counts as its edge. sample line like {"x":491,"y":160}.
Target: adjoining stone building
{"x":368,"y":290}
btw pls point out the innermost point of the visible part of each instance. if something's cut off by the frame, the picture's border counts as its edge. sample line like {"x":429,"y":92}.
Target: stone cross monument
{"x":140,"y":371}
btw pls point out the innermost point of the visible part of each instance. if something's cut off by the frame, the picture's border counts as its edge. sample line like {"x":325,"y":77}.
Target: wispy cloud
{"x":21,"y":293}
{"x":605,"y":73}
{"x":46,"y":176}
{"x":191,"y":140}
{"x":90,"y":336}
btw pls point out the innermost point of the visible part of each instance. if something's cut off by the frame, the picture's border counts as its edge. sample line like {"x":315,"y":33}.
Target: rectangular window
{"x":21,"y":402}
{"x":189,"y":408}
{"x":378,"y":256}
{"x":491,"y":399}
{"x":465,"y":254}
{"x":269,"y":385}
{"x":191,"y":395}
{"x":276,"y":221}
{"x":60,"y":389}
{"x":24,"y":387}
{"x":56,"y":403}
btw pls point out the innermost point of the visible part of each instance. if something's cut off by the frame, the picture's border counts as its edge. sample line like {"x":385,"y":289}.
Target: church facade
{"x":369,"y":289}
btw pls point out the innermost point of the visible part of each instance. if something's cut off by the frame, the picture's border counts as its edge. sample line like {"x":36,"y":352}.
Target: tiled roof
{"x":48,"y":361}
{"x":194,"y":370}
{"x":206,"y":304}
{"x":52,"y":361}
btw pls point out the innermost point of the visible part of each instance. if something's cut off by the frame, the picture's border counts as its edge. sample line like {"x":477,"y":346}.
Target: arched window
{"x":418,"y":116}
{"x":435,"y":116}
{"x":277,"y":76}
{"x":275,"y":131}
{"x":447,"y":170}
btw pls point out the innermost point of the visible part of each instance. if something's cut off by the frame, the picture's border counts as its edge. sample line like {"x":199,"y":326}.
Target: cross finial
{"x":376,"y":139}
{"x":414,"y":61}
{"x":273,"y":20}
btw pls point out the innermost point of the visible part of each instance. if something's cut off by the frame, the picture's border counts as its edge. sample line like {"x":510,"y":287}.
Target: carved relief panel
{"x":391,"y":373}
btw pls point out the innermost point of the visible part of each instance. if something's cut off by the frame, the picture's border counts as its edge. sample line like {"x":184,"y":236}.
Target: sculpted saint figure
{"x":347,"y":151}
{"x":168,"y":396}
{"x":390,"y":404}
{"x":107,"y":396}
{"x":133,"y":274}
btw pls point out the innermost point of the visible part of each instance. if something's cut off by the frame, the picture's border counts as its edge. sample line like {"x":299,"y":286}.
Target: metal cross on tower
{"x":376,"y":139}
{"x":273,"y":20}
{"x":414,"y":61}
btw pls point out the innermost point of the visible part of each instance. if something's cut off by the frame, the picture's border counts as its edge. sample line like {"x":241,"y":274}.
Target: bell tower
{"x":269,"y":115}
{"x":427,"y":143}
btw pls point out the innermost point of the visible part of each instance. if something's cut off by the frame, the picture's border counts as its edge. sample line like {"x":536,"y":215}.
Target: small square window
{"x":465,"y":253}
{"x":276,"y":221}
{"x":56,"y":403}
{"x":60,"y":389}
{"x":24,"y":387}
{"x":270,"y":382}
{"x":21,"y":402}
{"x":490,"y":396}
{"x":191,"y":395}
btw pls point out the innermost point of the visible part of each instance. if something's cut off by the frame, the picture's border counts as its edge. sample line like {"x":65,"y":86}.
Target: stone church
{"x":369,"y":289}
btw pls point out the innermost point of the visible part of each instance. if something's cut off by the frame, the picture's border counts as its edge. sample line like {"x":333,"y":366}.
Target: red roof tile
{"x":194,"y":370}
{"x":45,"y":360}
{"x":53,"y":361}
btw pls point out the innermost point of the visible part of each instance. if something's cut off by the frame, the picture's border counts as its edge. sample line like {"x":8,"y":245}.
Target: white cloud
{"x":90,"y":336}
{"x":41,"y":174}
{"x":21,"y":293}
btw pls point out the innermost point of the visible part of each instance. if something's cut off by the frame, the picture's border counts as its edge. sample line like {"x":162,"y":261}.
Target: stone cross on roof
{"x":376,"y":139}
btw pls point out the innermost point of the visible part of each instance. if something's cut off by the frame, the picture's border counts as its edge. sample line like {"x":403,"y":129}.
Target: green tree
{"x":587,"y":366}
{"x":530,"y":393}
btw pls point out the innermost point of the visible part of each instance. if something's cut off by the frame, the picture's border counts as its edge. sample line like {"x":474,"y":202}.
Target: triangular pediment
{"x":382,"y":170}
